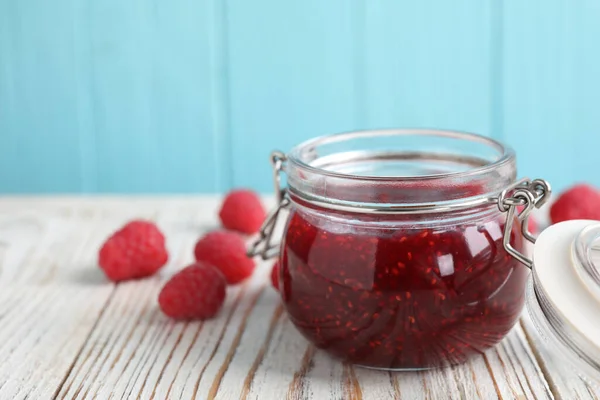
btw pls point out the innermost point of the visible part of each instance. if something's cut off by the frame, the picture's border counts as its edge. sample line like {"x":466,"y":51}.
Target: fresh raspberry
{"x":225,"y":250}
{"x":135,"y":251}
{"x":275,"y":276}
{"x":242,"y":211}
{"x":195,"y":292}
{"x":579,"y":202}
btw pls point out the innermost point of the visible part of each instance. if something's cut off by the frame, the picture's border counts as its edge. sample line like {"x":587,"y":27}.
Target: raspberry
{"x":242,"y":211}
{"x":135,"y":251}
{"x":225,"y":250}
{"x":195,"y":292}
{"x":579,"y":202}
{"x":275,"y":276}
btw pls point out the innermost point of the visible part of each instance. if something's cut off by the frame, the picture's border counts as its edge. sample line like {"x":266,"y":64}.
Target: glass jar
{"x":563,"y":297}
{"x":402,"y":248}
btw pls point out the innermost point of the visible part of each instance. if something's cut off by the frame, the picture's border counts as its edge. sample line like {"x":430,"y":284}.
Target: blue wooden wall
{"x":149,"y":96}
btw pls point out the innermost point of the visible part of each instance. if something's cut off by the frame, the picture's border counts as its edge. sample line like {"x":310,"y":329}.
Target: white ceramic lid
{"x":566,"y":275}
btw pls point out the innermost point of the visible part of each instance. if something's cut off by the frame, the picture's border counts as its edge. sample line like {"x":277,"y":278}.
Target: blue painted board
{"x":40,"y":144}
{"x":291,"y":77}
{"x":551,"y":89}
{"x":109,"y":96}
{"x":429,"y":64}
{"x":190,"y":96}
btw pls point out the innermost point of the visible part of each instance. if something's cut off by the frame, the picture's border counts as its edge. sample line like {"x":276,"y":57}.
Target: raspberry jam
{"x":402,"y":249}
{"x":400,"y":297}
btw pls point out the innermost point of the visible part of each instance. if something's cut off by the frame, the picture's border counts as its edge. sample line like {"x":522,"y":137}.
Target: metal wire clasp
{"x":530,"y":194}
{"x":527,"y":193}
{"x":264,"y":246}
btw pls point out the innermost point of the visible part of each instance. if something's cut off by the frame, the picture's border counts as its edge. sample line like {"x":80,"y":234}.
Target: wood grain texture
{"x":67,"y":333}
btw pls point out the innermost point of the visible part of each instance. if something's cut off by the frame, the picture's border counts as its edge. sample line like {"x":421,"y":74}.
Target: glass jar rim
{"x":317,"y":170}
{"x":506,"y":153}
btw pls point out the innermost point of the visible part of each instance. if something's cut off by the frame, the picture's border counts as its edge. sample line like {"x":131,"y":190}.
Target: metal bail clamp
{"x":263,"y":246}
{"x":530,"y":194}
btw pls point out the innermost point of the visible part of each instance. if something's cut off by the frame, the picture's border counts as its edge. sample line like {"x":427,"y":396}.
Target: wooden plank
{"x":234,"y":374}
{"x":132,"y":326}
{"x":326,"y":379}
{"x":515,"y":370}
{"x":504,"y":372}
{"x":283,"y":369}
{"x":67,"y":330}
{"x":375,"y":384}
{"x":50,"y":307}
{"x":144,"y":354}
{"x":51,"y":289}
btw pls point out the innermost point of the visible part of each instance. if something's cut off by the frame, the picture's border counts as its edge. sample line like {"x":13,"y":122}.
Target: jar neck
{"x":403,"y":169}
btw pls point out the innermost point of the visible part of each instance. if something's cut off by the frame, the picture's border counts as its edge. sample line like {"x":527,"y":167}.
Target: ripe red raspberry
{"x":135,"y":251}
{"x":275,"y":276}
{"x":227,"y":251}
{"x":579,"y":202}
{"x":195,"y":292}
{"x":242,"y":211}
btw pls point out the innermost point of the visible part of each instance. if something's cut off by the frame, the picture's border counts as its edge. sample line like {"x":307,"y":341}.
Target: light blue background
{"x":151,"y":96}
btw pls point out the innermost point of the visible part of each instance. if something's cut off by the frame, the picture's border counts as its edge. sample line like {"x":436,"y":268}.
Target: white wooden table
{"x":67,"y":332}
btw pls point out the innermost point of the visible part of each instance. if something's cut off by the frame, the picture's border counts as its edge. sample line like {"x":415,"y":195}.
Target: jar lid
{"x":566,"y":277}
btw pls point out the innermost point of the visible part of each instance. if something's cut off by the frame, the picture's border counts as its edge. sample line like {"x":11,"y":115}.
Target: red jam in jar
{"x":400,"y":298}
{"x":393,"y":253}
